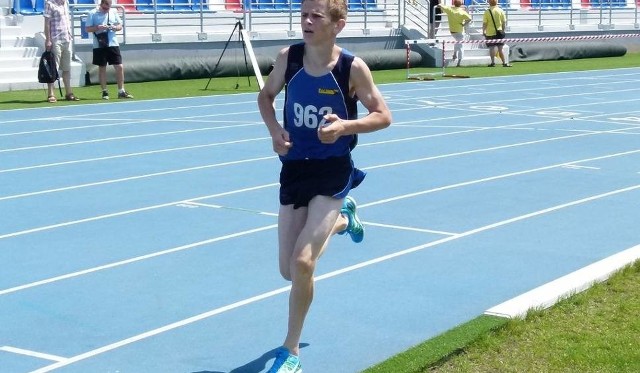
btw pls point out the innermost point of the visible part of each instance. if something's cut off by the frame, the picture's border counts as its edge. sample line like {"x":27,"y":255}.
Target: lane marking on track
{"x":244,"y":302}
{"x":39,"y":355}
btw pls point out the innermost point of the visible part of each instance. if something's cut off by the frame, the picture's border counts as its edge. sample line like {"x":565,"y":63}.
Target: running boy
{"x":320,"y":125}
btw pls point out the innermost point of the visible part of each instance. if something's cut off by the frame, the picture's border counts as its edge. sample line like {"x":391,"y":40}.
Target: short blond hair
{"x":337,"y":9}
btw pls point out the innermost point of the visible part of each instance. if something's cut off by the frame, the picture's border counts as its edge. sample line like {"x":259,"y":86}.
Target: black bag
{"x":47,"y":69}
{"x":103,"y":39}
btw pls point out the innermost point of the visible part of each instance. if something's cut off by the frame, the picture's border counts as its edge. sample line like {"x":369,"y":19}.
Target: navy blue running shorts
{"x":301,"y":180}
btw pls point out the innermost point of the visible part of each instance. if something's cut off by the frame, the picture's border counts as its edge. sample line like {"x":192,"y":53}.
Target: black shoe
{"x":105,"y":95}
{"x":124,"y":94}
{"x":491,"y":64}
{"x":506,"y":65}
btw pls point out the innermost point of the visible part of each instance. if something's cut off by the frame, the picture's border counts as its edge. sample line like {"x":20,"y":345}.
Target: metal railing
{"x":203,"y":22}
{"x":158,"y":20}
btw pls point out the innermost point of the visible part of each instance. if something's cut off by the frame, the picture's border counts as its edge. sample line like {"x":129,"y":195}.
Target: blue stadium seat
{"x":355,"y":5}
{"x":281,"y":4}
{"x":251,"y":4}
{"x":196,"y":5}
{"x":180,"y":5}
{"x":25,"y":7}
{"x":144,"y":5}
{"x":39,"y":6}
{"x":266,"y":5}
{"x":541,"y":4}
{"x":164,"y":5}
{"x":161,"y":5}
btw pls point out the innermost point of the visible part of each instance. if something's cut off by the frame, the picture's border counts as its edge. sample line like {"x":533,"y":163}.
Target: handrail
{"x":383,"y":14}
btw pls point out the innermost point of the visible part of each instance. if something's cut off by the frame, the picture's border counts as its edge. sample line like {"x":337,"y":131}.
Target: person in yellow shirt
{"x":458,"y":18}
{"x":493,"y":21}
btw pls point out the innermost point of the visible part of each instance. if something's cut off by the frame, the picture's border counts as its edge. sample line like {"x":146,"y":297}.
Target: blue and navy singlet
{"x":309,"y":98}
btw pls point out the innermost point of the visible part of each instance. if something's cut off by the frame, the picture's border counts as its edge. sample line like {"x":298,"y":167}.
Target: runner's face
{"x":315,"y":21}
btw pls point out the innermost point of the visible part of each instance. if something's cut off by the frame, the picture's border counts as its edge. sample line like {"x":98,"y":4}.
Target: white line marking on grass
{"x":325,"y":276}
{"x":39,"y":355}
{"x":550,"y":293}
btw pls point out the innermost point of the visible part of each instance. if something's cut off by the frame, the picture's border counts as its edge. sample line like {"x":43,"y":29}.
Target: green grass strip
{"x":439,"y":349}
{"x":230,"y":85}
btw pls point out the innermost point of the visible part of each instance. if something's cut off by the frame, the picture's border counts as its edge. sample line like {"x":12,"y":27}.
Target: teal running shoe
{"x":285,"y":362}
{"x":354,"y":227}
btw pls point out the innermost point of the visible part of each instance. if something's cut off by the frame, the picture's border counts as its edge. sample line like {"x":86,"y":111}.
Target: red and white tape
{"x":523,"y":40}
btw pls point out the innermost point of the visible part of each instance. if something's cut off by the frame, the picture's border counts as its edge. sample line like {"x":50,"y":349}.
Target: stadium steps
{"x":20,"y":54}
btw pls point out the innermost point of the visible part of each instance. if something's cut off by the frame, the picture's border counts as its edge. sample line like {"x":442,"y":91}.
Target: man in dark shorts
{"x":104,"y":22}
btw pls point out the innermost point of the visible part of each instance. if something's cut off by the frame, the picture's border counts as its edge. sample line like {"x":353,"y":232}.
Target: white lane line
{"x":104,"y":139}
{"x":145,"y":176}
{"x":126,"y":212}
{"x":118,"y":115}
{"x":577,"y":167}
{"x":39,"y":355}
{"x":482,"y":150}
{"x":121,"y":122}
{"x":271,"y":157}
{"x":136,"y":259}
{"x":45,"y":165}
{"x":58,"y":278}
{"x":209,"y":205}
{"x":163,"y":329}
{"x":491,"y":178}
{"x":351,"y":268}
{"x":550,"y":293}
{"x":404,"y":228}
{"x":404,"y":196}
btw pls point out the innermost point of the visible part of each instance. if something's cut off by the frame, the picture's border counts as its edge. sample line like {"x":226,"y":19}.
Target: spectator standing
{"x":458,"y":19}
{"x":57,"y":33}
{"x":494,"y":22}
{"x":104,"y":22}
